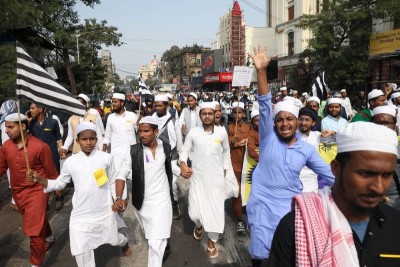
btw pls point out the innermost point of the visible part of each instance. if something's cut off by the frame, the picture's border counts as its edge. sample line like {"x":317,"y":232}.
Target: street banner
{"x":327,"y":151}
{"x":242,"y":76}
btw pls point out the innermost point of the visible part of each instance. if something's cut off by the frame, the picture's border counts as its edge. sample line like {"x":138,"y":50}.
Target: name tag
{"x":100,"y":177}
{"x":47,"y":129}
{"x":218,"y":141}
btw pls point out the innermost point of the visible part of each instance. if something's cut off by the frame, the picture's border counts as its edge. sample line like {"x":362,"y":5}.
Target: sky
{"x":151,"y":27}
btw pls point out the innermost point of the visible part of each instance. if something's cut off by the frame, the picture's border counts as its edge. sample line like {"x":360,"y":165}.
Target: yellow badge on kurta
{"x":101,"y":177}
{"x":218,"y":141}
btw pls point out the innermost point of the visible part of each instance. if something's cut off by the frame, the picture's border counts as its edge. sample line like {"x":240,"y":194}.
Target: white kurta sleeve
{"x":187,"y":147}
{"x":125,"y":167}
{"x":179,"y":140}
{"x":182,"y":119}
{"x":70,"y":136}
{"x":226,"y":152}
{"x":171,"y":134}
{"x":59,"y":124}
{"x":107,"y":134}
{"x":62,"y":180}
{"x":99,"y":122}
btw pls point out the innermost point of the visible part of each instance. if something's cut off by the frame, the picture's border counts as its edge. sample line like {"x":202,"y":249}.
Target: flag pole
{"x":23,"y":137}
{"x":140,"y":104}
{"x":236,"y":125}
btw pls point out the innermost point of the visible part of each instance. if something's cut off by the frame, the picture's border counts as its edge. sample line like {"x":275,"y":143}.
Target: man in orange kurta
{"x":29,"y":197}
{"x":238,"y":138}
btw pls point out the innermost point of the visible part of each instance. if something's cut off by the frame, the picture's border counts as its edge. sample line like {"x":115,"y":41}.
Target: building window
{"x":291,"y":13}
{"x":290,"y":44}
{"x":317,"y":7}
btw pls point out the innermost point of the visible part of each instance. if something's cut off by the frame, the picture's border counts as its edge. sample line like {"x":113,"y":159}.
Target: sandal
{"x":210,"y":252}
{"x":126,"y":251}
{"x":198,"y":233}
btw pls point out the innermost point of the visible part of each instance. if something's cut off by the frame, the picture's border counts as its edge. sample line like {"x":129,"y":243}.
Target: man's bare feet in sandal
{"x":212,"y":250}
{"x":126,"y":251}
{"x":198,"y":233}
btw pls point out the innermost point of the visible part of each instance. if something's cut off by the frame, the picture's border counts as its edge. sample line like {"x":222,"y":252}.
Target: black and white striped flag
{"x":36,"y":85}
{"x":143,"y":89}
{"x":319,"y":88}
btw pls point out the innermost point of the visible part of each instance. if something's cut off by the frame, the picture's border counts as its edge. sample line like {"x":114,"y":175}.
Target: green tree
{"x":57,"y":21}
{"x":340,"y":42}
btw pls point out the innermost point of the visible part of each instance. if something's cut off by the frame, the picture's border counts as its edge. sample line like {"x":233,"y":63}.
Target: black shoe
{"x":176,"y":212}
{"x":167,"y":251}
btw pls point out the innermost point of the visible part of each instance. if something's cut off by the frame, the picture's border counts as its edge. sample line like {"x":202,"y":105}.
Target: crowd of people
{"x":301,"y":211}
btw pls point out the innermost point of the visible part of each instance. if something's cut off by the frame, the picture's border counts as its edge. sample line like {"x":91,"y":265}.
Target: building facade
{"x":291,"y":40}
{"x":106,"y":60}
{"x":150,"y":70}
{"x":231,"y":37}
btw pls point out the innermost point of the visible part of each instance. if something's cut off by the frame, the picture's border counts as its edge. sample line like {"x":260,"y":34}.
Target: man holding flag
{"x":30,"y":198}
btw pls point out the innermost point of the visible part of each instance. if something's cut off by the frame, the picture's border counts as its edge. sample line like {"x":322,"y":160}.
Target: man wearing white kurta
{"x":91,"y":115}
{"x":120,"y":132}
{"x":150,"y":162}
{"x":307,"y":119}
{"x":168,"y":131}
{"x":211,"y":159}
{"x":92,"y":221}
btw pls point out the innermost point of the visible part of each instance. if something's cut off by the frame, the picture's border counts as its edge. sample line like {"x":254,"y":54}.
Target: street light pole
{"x":77,"y":45}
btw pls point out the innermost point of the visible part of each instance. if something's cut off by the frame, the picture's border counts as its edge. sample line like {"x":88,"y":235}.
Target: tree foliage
{"x":57,"y":22}
{"x":173,"y":59}
{"x":340,"y":42}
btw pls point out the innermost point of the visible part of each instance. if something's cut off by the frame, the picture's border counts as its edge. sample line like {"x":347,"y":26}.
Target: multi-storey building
{"x":231,"y":37}
{"x":106,"y":60}
{"x":291,"y":40}
{"x":148,"y":71}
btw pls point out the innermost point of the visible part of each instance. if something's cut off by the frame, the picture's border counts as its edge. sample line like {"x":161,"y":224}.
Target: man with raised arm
{"x":282,"y":156}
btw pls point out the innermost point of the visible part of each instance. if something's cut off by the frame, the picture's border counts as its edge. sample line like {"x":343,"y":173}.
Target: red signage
{"x":218,"y":77}
{"x":225,"y":77}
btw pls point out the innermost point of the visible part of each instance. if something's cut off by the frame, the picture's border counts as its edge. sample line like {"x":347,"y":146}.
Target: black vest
{"x":138,"y":173}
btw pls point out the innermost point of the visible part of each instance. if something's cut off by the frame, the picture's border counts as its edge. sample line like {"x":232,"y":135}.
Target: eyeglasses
{"x":308,"y":120}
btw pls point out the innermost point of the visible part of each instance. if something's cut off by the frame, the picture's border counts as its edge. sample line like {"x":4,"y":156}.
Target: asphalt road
{"x":186,"y":251}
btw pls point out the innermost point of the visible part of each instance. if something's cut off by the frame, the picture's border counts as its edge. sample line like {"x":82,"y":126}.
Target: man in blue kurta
{"x":283,"y":154}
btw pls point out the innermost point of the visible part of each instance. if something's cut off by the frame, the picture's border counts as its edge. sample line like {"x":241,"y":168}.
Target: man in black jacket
{"x":150,"y":162}
{"x":348,"y":225}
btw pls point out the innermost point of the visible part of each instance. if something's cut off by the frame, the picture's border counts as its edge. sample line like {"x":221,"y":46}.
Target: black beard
{"x":286,"y":139}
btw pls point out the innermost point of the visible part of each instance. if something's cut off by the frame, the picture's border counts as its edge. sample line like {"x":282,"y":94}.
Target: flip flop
{"x":196,"y":230}
{"x":48,"y":245}
{"x":210,"y":251}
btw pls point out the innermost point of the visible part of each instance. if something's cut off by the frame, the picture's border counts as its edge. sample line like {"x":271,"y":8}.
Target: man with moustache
{"x":333,"y":122}
{"x":313,"y":103}
{"x":307,"y":119}
{"x":190,"y":118}
{"x":29,"y":198}
{"x":282,"y":156}
{"x":120,"y":132}
{"x":218,"y":114}
{"x":347,"y":225}
{"x":386,"y":116}
{"x":91,"y":115}
{"x":47,"y":130}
